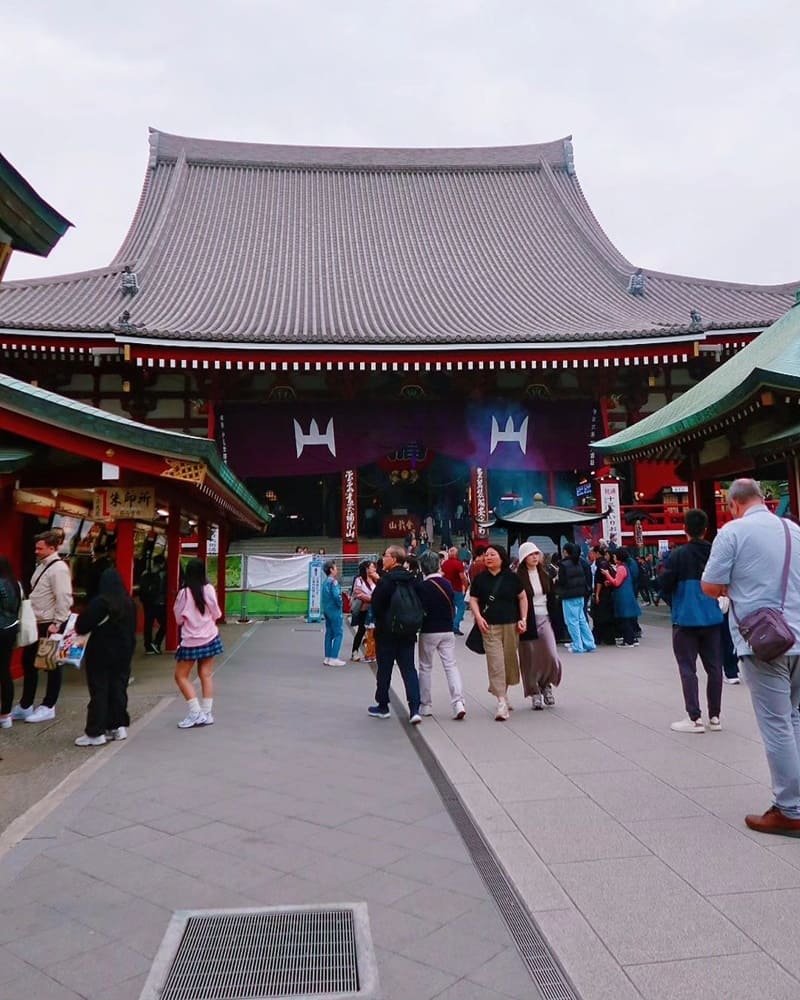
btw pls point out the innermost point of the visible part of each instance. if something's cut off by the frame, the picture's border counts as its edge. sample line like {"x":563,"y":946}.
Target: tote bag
{"x":28,"y":631}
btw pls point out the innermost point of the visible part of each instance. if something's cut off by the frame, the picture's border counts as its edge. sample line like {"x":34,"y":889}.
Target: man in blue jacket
{"x":696,"y":621}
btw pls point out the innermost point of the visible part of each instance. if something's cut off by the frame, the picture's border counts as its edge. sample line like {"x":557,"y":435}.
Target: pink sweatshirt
{"x":197,"y":629}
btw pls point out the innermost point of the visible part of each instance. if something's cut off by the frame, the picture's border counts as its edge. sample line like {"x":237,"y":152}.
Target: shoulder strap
{"x":441,"y":590}
{"x":786,"y":560}
{"x":39,"y":577}
{"x":493,"y":591}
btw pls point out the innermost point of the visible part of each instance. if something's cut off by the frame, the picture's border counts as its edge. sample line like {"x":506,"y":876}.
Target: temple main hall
{"x":376,"y":337}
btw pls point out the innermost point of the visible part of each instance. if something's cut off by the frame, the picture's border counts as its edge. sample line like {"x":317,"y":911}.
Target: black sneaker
{"x":379,"y":713}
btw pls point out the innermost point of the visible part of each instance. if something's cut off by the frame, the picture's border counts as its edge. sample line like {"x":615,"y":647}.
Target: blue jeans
{"x":333,"y":636}
{"x":389,"y":648}
{"x":458,"y":605}
{"x":775,"y":693}
{"x":577,"y":625}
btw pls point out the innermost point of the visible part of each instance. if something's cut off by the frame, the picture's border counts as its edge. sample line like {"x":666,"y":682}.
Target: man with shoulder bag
{"x":51,"y":597}
{"x":765,"y":627}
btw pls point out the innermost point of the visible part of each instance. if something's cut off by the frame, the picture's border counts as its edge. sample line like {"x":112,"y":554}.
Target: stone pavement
{"x":625,"y":840}
{"x":294,"y":796}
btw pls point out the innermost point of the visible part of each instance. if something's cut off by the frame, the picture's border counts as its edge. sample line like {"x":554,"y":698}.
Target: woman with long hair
{"x":539,"y":664}
{"x":110,"y":617}
{"x":363,"y":586}
{"x":197,"y":613}
{"x":500,"y":609}
{"x":10,"y":599}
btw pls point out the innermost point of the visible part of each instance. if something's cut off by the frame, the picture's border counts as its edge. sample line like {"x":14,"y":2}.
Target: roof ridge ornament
{"x":129,"y":282}
{"x":696,"y":321}
{"x":637,"y":283}
{"x":569,"y":156}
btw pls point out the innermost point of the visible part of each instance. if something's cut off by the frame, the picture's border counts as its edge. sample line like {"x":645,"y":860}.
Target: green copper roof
{"x":771,"y":360}
{"x":29,"y":400}
{"x":33,"y":225}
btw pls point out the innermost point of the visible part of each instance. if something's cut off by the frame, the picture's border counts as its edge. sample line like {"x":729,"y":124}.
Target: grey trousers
{"x":775,"y":693}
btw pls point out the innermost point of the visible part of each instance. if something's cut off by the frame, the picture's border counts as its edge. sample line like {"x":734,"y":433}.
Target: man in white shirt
{"x":51,"y":598}
{"x":746,"y":565}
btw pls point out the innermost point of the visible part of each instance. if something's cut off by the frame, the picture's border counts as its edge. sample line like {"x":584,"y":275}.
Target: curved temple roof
{"x":771,"y":360}
{"x":290,"y":245}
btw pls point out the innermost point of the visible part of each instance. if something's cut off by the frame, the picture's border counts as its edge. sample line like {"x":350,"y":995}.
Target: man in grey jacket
{"x":51,"y":598}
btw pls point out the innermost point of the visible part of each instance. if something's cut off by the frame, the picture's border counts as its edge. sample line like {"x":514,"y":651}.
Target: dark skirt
{"x":213,"y":648}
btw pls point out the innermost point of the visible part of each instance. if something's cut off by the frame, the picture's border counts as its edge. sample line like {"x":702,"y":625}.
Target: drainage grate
{"x":295,"y":951}
{"x":551,"y":980}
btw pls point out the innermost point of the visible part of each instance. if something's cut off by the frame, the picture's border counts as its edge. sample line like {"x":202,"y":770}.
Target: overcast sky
{"x":684,"y":113}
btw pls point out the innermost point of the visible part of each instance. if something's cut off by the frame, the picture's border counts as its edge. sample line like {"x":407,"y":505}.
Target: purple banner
{"x":308,"y":439}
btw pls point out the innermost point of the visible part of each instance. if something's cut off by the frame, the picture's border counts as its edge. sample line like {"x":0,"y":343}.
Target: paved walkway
{"x":625,"y":840}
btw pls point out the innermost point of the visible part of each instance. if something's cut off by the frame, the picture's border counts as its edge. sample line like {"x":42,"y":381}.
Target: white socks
{"x":206,"y":705}
{"x":193,"y":705}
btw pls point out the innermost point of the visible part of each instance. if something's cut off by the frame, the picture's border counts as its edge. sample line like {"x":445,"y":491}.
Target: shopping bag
{"x":28,"y":630}
{"x":47,"y":653}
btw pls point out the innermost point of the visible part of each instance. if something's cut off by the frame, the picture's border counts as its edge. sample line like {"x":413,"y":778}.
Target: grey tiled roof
{"x":241,"y":242}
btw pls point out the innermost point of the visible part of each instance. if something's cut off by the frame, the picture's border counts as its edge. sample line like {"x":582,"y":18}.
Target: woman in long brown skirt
{"x":538,"y":652}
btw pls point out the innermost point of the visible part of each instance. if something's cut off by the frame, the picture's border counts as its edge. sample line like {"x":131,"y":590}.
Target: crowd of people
{"x":104,"y":632}
{"x":728,"y":594}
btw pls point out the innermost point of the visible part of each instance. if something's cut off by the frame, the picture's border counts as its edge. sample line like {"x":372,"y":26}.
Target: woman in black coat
{"x":111,"y":619}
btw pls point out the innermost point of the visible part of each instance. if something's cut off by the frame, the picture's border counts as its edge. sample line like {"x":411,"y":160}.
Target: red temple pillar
{"x":173,"y":571}
{"x":125,"y":552}
{"x":223,"y":538}
{"x":350,"y":512}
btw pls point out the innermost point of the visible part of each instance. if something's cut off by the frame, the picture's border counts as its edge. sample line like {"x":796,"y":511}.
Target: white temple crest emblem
{"x":314,"y":436}
{"x":509,"y":435}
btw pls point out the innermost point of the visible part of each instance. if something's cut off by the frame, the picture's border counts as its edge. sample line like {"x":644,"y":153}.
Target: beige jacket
{"x":51,"y":597}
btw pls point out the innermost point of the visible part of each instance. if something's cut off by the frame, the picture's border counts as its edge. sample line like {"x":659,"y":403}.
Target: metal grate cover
{"x":294,"y":951}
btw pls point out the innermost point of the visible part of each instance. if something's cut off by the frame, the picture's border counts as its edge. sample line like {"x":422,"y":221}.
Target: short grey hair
{"x":742,"y":490}
{"x":398,"y":552}
{"x":429,"y":562}
{"x":327,"y":566}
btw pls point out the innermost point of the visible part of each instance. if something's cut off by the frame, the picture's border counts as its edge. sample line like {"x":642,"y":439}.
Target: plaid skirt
{"x":205,"y":652}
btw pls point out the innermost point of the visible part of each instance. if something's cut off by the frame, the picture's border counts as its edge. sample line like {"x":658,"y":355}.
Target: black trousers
{"x":8,"y":638}
{"x":30,"y":675}
{"x":391,"y":648}
{"x":154,"y":613}
{"x":107,"y":678}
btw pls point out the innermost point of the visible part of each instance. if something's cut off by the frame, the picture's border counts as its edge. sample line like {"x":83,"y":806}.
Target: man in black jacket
{"x":391,"y":647}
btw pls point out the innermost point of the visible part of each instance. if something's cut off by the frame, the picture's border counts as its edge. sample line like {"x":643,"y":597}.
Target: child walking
{"x":197,"y":613}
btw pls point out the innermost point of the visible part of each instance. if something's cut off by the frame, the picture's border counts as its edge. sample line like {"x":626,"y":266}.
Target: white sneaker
{"x":355,"y":657}
{"x":459,"y":710}
{"x":426,"y":710}
{"x":209,"y":719}
{"x":501,"y":715}
{"x":415,"y":719}
{"x":6,"y":722}
{"x":192,"y":719}
{"x":537,"y":703}
{"x":41,"y":714}
{"x":714,"y":724}
{"x":19,"y":713}
{"x":91,"y":741}
{"x":731,"y":680}
{"x":337,"y":663}
{"x":120,"y":733}
{"x":688,"y":726}
{"x":326,"y":662}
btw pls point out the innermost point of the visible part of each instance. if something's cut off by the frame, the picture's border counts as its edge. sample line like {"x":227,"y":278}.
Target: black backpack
{"x":151,"y":588}
{"x":405,"y":610}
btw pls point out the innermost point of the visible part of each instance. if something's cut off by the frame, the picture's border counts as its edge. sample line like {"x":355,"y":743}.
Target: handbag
{"x":766,"y":630}
{"x":474,"y":640}
{"x":47,"y":652}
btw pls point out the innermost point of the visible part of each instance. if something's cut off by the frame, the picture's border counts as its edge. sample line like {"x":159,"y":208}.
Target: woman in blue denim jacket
{"x":331,"y":604}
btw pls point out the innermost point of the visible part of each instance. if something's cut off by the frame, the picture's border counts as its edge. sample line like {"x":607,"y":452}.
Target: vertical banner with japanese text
{"x":349,"y":510}
{"x":314,"y":590}
{"x":609,"y":501}
{"x":479,"y":503}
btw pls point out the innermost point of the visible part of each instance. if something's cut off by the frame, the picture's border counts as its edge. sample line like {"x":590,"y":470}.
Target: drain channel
{"x":544,"y":968}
